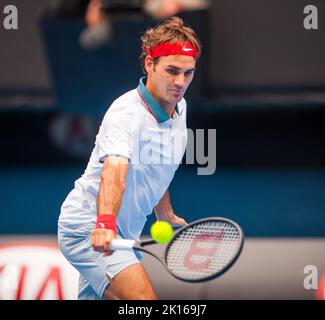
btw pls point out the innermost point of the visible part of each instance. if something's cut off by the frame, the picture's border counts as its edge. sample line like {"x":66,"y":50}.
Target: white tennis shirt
{"x":135,"y":127}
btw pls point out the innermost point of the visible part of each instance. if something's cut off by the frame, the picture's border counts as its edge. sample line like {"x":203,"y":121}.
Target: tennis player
{"x":122,"y":184}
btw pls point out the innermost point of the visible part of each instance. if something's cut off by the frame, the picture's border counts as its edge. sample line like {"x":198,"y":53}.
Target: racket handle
{"x":122,"y":244}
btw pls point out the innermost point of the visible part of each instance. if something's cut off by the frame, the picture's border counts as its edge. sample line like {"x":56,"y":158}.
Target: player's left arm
{"x":164,"y":211}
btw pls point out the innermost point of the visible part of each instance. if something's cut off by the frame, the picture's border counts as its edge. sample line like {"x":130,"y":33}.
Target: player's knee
{"x":148,"y":295}
{"x":130,"y":295}
{"x":109,"y":295}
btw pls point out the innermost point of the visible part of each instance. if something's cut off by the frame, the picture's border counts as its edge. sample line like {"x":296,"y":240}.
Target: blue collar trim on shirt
{"x":153,"y":106}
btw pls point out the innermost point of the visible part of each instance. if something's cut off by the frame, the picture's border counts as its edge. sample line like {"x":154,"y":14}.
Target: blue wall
{"x":263,"y":202}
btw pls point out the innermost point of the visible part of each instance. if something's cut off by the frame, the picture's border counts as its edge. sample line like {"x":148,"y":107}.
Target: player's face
{"x":169,"y":79}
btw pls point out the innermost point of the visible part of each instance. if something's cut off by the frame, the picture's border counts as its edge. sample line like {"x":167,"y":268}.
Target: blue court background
{"x":264,"y":202}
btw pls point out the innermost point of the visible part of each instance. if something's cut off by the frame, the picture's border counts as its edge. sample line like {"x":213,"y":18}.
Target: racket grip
{"x":122,"y":244}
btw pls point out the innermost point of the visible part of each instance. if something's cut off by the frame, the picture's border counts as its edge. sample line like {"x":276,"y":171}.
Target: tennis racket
{"x":200,"y":251}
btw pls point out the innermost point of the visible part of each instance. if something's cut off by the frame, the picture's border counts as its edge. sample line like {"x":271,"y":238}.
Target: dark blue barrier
{"x":263,"y":202}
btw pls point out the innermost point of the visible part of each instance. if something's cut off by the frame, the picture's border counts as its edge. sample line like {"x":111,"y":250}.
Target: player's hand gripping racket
{"x":200,"y":251}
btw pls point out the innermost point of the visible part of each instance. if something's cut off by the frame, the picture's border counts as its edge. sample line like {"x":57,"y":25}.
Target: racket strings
{"x":203,"y":249}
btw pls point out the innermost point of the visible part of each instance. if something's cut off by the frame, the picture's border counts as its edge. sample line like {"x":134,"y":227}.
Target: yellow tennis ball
{"x":161,"y":232}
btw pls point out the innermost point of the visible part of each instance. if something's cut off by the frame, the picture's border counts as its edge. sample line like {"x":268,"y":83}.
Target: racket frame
{"x":139,"y":245}
{"x":224,"y":269}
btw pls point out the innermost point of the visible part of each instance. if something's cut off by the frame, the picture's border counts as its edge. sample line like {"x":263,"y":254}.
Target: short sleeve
{"x":117,"y":133}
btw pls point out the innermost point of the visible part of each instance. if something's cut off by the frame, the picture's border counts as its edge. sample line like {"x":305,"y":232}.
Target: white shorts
{"x":95,"y":270}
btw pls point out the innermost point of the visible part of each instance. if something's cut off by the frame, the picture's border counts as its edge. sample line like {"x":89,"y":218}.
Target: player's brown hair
{"x":171,"y":30}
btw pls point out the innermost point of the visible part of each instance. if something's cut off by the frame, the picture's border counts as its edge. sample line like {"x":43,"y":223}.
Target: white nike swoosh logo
{"x":187,"y":49}
{"x":101,"y":225}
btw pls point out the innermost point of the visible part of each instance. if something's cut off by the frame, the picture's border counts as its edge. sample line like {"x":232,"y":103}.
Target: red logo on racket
{"x":203,"y":248}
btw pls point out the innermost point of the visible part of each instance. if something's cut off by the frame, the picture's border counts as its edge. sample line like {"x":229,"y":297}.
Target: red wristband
{"x":106,"y":221}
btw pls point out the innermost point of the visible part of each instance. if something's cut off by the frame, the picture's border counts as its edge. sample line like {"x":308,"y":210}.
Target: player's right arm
{"x":111,"y":189}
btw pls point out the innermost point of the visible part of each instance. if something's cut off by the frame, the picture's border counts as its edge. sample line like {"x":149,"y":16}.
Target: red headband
{"x":179,"y":48}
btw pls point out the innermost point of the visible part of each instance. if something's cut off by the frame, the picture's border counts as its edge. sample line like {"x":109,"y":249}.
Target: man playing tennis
{"x":120,"y":187}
